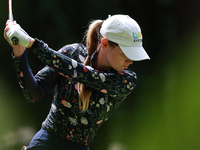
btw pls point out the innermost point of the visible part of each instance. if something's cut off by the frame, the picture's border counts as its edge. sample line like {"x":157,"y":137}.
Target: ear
{"x":104,"y":42}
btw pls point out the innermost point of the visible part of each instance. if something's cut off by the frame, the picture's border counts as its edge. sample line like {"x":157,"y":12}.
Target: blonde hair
{"x":93,"y":38}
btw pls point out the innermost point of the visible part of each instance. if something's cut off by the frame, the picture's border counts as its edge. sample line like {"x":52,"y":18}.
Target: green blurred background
{"x":163,"y":113}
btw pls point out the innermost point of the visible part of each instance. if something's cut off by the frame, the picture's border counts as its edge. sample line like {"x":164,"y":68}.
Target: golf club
{"x":10,"y":16}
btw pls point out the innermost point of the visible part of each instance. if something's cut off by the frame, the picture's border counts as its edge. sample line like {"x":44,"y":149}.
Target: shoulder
{"x":69,"y":49}
{"x":76,"y":51}
{"x":129,"y":75}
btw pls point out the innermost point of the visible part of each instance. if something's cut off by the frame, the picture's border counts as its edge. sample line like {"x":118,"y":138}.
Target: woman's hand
{"x":12,"y":29}
{"x":17,"y":49}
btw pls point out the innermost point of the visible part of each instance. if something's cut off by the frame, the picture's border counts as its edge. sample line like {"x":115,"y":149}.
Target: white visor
{"x":135,"y":53}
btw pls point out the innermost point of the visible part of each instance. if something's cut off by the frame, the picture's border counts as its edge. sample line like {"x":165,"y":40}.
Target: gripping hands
{"x":15,"y":31}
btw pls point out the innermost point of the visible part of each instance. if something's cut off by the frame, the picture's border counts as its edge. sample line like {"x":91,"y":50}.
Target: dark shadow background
{"x":163,"y":111}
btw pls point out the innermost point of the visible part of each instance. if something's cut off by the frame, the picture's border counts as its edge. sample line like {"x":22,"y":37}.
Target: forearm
{"x":18,"y":50}
{"x":33,"y":87}
{"x":29,"y":80}
{"x":21,"y":71}
{"x":111,"y":83}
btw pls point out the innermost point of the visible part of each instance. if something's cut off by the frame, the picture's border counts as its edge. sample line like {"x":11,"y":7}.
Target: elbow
{"x":33,"y":97}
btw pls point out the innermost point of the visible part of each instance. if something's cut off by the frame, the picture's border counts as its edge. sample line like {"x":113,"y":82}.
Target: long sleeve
{"x":110,"y":82}
{"x":34,"y":87}
{"x":109,"y":89}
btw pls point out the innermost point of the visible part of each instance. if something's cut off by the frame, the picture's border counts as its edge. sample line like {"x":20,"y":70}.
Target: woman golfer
{"x":90,"y":82}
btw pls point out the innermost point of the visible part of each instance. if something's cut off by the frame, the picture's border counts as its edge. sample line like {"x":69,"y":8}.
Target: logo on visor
{"x":137,"y":37}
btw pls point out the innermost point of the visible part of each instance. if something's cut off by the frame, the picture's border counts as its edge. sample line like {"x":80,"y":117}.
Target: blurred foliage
{"x":163,"y":111}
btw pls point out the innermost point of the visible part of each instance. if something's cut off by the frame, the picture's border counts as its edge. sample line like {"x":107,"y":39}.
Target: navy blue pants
{"x":44,"y":140}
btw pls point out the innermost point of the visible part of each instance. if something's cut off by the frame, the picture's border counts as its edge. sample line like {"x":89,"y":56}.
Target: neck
{"x":101,"y":61}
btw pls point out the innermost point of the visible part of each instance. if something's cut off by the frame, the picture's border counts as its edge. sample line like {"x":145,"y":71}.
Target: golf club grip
{"x":15,"y":41}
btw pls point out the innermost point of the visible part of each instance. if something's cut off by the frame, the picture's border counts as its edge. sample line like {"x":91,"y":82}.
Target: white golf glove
{"x":20,"y":34}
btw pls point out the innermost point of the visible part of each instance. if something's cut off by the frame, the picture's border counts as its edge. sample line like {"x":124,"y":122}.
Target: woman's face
{"x":117,"y":59}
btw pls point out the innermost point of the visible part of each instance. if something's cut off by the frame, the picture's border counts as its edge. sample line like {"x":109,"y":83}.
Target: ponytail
{"x":93,"y":38}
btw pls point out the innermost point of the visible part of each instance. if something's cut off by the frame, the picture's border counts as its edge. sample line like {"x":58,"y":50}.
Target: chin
{"x":120,"y":70}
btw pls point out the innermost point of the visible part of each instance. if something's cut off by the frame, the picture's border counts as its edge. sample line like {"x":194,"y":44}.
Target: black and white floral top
{"x":63,"y":71}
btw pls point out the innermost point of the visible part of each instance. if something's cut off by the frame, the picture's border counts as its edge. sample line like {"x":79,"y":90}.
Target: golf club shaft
{"x":10,"y":16}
